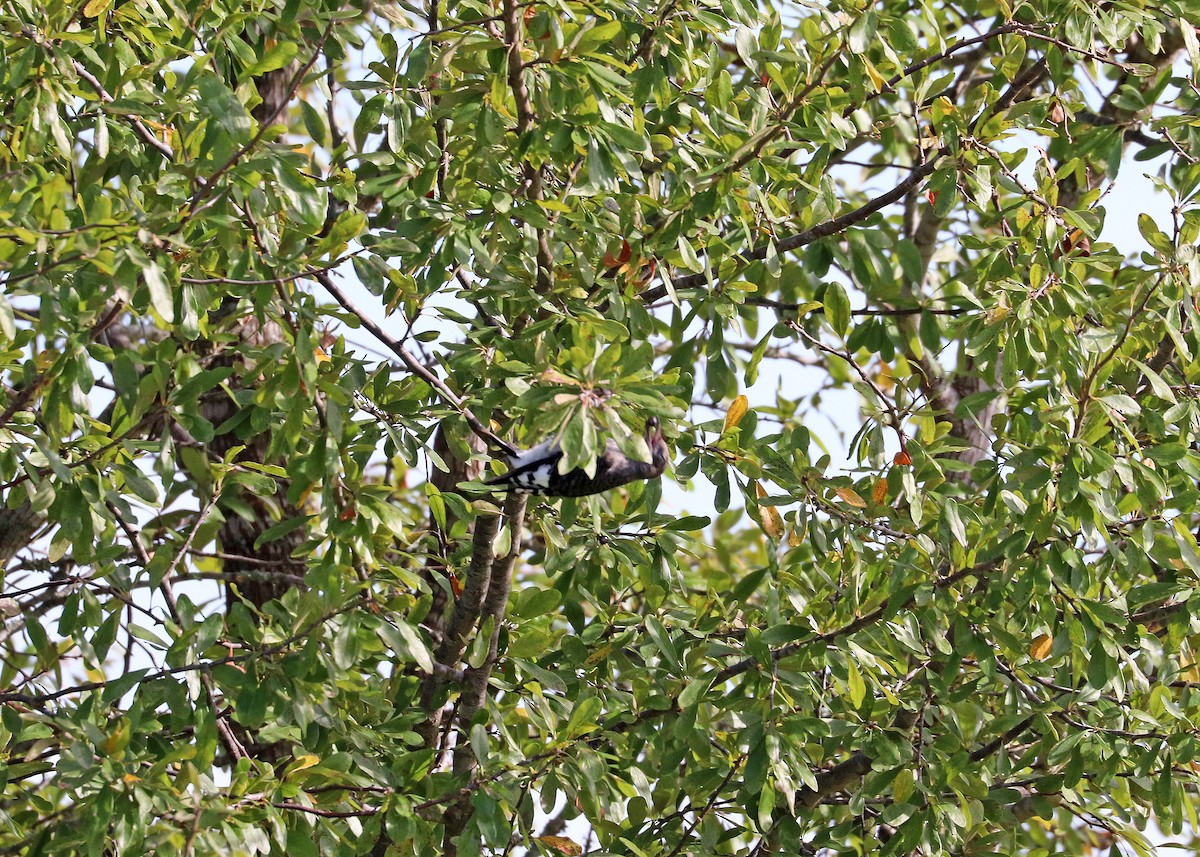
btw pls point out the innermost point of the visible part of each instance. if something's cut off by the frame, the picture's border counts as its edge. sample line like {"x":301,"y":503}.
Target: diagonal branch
{"x":208,"y":185}
{"x":232,"y":745}
{"x":814,"y":233}
{"x":863,"y":621}
{"x":138,"y":126}
{"x":413,"y":364}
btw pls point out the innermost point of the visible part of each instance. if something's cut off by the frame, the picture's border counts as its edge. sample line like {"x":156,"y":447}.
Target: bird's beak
{"x":654,"y":430}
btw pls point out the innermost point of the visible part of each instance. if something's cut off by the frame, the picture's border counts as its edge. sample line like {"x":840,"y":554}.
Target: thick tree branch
{"x":466,"y":613}
{"x":475,"y":679}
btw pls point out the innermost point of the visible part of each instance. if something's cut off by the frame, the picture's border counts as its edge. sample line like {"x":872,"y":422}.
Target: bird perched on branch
{"x":535,"y":471}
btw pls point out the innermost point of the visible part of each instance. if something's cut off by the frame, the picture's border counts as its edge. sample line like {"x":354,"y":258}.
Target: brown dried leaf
{"x":879,"y":492}
{"x":769,"y":517}
{"x":1075,"y":239}
{"x":561,"y":844}
{"x":850,"y":496}
{"x":642,"y":272}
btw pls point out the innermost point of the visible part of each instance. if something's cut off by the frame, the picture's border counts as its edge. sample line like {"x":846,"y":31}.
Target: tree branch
{"x":414,"y":365}
{"x":138,"y":126}
{"x":815,"y":233}
{"x":207,"y":186}
{"x":475,"y":679}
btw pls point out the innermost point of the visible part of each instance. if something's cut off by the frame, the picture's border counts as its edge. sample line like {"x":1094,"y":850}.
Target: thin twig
{"x":822,"y":230}
{"x":272,"y":281}
{"x":37,"y":700}
{"x":207,"y":186}
{"x":414,"y":365}
{"x":137,"y":124}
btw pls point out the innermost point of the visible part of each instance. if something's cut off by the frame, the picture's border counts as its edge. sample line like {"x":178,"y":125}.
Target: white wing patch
{"x":534,"y":481}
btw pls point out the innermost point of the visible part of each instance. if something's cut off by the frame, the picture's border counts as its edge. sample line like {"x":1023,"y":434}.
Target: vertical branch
{"x":514,"y":33}
{"x":459,"y":469}
{"x":439,"y":125}
{"x":475,"y":679}
{"x":946,"y":390}
{"x":466,"y":612}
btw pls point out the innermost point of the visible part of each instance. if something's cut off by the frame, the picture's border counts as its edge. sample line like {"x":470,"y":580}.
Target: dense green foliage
{"x":228,"y":545}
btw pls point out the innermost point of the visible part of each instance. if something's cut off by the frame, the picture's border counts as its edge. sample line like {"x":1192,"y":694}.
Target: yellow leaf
{"x":879,"y":492}
{"x":851,"y":497}
{"x":737,"y":409}
{"x":885,"y":379}
{"x":320,"y":354}
{"x":599,"y":655}
{"x":769,"y":517}
{"x":302,"y":762}
{"x":561,"y":844}
{"x":795,"y":537}
{"x":772,"y":522}
{"x":996,"y":314}
{"x":1039,"y":649}
{"x":306,"y":493}
{"x":873,"y":73}
{"x":94,"y":7}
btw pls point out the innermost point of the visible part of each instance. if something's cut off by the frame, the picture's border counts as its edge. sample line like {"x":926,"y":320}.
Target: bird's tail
{"x":503,"y":482}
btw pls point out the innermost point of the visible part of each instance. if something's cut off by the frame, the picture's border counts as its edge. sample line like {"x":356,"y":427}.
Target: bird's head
{"x":660,"y":454}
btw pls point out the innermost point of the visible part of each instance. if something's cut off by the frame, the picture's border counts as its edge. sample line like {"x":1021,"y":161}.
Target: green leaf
{"x":583,"y":718}
{"x":837,"y":308}
{"x":855,"y":684}
{"x":415,"y":647}
{"x":160,"y":293}
{"x":276,"y":57}
{"x":688,"y":258}
{"x":688,"y":523}
{"x":953,"y":521}
{"x":282,"y":529}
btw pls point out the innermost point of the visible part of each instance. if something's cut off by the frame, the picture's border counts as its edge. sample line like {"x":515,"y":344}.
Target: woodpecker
{"x":535,"y":471}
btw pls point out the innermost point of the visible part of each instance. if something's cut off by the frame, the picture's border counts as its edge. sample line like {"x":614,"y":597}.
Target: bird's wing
{"x":531,"y":469}
{"x":544,"y":450}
